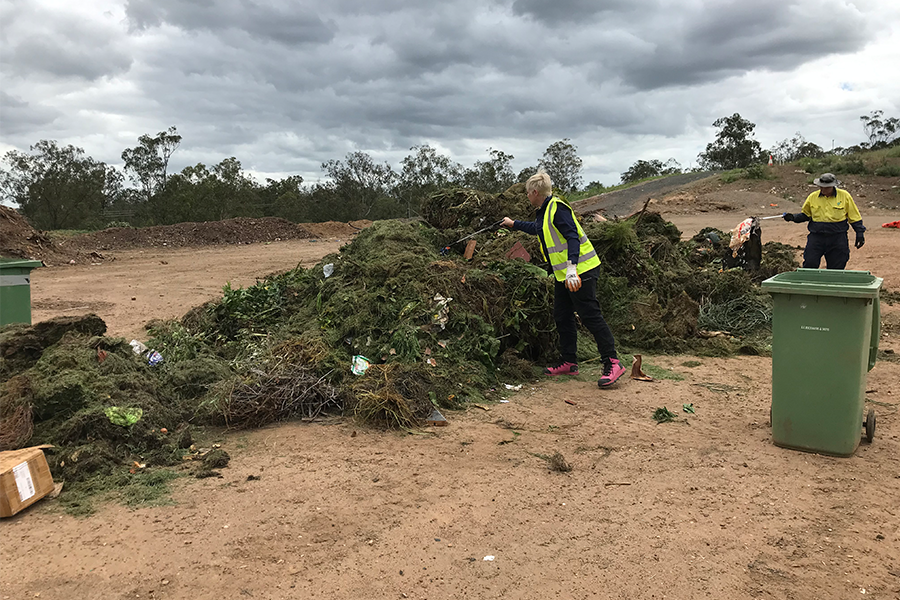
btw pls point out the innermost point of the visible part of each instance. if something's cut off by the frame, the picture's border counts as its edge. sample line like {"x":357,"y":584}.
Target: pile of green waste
{"x":100,"y":405}
{"x":384,"y":330}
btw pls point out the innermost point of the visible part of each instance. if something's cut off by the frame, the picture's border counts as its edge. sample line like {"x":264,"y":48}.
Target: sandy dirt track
{"x":140,"y":285}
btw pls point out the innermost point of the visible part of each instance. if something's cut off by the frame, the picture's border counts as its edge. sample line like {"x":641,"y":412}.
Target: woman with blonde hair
{"x":575,"y":265}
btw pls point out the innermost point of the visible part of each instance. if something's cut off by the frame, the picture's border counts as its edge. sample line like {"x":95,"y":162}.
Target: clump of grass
{"x":690,"y":364}
{"x":558,"y":463}
{"x":144,"y":488}
{"x":663,"y":415}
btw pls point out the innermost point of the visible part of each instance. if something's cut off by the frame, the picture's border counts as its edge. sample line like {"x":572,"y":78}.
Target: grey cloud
{"x":568,"y":11}
{"x":20,"y":116}
{"x":284,"y":88}
{"x":287,"y":25}
{"x":61,"y":46}
{"x":726,"y":39}
{"x":65,"y":58}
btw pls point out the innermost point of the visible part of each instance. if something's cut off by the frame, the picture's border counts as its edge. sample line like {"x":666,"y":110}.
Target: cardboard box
{"x":24,"y":479}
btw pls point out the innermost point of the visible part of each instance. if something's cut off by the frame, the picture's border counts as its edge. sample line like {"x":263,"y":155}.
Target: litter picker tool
{"x":772,"y":217}
{"x":490,"y":227}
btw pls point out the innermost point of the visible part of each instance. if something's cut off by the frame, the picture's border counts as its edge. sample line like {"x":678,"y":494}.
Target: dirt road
{"x":139,"y":285}
{"x":705,"y":507}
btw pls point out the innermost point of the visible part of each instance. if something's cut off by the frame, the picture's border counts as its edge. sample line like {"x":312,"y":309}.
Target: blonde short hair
{"x":540,"y":181}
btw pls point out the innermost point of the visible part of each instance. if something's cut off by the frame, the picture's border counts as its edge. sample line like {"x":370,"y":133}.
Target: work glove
{"x":787,"y":216}
{"x":860,"y":240}
{"x":573,"y":281}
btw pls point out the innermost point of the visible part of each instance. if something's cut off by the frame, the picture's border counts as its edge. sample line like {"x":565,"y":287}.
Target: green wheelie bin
{"x":15,"y":290}
{"x":825,"y":330}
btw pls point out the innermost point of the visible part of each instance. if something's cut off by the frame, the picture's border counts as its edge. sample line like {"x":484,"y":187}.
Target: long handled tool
{"x":772,"y":217}
{"x":490,"y":227}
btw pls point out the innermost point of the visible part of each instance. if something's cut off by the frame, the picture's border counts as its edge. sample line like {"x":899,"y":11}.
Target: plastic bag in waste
{"x":359,"y":365}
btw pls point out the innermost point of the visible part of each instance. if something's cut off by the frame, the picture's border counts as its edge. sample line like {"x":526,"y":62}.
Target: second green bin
{"x":15,"y":290}
{"x":825,"y":329}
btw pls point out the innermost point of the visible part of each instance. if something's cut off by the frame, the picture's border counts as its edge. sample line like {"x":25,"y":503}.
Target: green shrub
{"x":817,"y":165}
{"x":887,"y":170}
{"x":731,"y":176}
{"x":757,"y":172}
{"x":751,"y":172}
{"x":852,"y":165}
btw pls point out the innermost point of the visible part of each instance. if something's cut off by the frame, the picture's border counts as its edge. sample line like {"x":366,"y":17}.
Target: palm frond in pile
{"x":294,"y":392}
{"x":740,"y":316}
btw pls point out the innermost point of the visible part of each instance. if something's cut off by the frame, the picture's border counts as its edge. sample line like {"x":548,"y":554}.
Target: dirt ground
{"x":162,"y":283}
{"x":705,"y":507}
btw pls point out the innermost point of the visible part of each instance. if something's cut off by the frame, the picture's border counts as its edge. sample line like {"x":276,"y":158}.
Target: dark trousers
{"x":833,"y":246}
{"x":584,"y":302}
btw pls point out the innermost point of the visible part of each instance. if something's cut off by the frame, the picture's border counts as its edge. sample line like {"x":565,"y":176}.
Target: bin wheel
{"x":870,"y":425}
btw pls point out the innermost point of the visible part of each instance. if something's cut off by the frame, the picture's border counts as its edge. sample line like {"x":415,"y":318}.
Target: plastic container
{"x":15,"y":290}
{"x":825,"y":329}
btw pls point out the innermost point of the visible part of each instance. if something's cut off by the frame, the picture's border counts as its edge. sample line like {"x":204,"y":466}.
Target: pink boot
{"x":612,"y":370}
{"x":566,"y":368}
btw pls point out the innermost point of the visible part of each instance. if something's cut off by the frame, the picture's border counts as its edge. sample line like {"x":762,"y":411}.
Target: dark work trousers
{"x":584,"y":302}
{"x":833,"y":246}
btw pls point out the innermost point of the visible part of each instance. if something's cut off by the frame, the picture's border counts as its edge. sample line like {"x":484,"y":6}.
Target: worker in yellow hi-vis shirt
{"x":831,"y":212}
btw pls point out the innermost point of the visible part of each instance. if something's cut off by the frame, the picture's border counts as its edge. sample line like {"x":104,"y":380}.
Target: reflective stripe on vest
{"x":558,"y":247}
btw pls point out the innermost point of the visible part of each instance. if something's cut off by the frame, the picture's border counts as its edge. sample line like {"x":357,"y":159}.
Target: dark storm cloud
{"x":726,"y":39}
{"x":569,"y":11}
{"x":286,"y":24}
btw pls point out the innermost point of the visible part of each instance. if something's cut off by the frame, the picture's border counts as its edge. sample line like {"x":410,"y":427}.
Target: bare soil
{"x":705,"y":507}
{"x":235,"y":231}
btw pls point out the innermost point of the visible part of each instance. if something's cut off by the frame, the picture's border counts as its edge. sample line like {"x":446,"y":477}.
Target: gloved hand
{"x":860,"y":240}
{"x":573,"y":281}
{"x":787,"y":216}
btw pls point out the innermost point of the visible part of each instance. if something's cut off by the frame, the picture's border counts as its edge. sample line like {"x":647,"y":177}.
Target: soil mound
{"x":18,"y":239}
{"x":241,"y":230}
{"x":744,"y":203}
{"x":335,"y":229}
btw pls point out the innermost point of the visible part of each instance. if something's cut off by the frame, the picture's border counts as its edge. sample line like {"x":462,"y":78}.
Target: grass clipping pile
{"x":384,"y":330}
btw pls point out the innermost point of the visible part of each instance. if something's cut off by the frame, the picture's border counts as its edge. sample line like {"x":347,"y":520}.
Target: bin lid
{"x":825,"y":282}
{"x":6,"y":263}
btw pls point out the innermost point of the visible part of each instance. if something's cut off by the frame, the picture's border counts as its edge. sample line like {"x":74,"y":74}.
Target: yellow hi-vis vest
{"x":558,"y":247}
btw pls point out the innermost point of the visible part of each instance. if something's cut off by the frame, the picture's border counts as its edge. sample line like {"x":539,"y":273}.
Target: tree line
{"x":735,"y":147}
{"x":60,"y":187}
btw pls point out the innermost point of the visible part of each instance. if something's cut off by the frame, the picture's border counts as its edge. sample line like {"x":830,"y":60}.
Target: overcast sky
{"x":284,"y":86}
